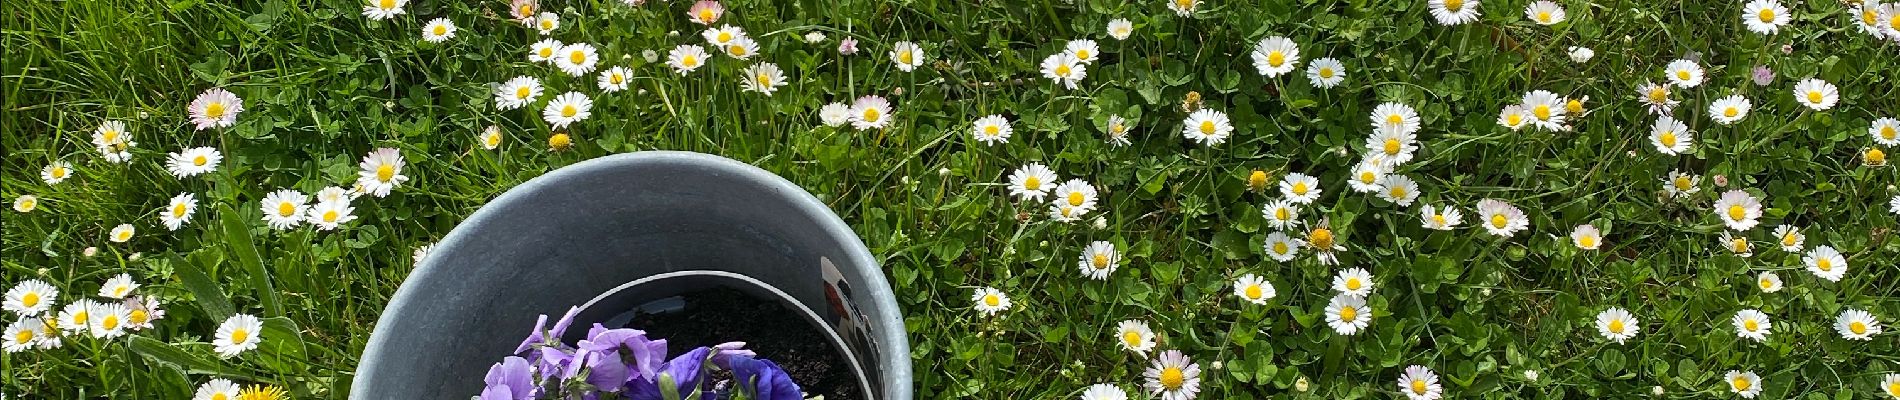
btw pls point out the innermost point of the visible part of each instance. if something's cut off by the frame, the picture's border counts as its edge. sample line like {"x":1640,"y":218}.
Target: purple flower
{"x":763,"y":380}
{"x":647,"y":354}
{"x":509,"y":380}
{"x":541,"y":322}
{"x":848,"y":46}
{"x":724,"y":353}
{"x":677,"y":380}
{"x":1763,"y":76}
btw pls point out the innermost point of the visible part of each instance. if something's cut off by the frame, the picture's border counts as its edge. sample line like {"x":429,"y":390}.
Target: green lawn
{"x":1493,"y":317}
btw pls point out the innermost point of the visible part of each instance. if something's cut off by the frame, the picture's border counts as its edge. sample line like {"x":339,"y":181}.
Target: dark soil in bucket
{"x":777,"y":333}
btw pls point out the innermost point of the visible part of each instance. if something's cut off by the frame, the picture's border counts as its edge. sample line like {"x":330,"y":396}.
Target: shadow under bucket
{"x":619,"y":232}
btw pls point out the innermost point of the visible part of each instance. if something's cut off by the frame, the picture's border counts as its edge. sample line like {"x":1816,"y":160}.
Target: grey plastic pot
{"x":616,"y":232}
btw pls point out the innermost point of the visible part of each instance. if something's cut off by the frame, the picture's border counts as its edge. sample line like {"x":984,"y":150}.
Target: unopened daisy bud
{"x":815,"y":37}
{"x":1721,"y":180}
{"x":1192,"y":102}
{"x":90,"y":251}
{"x":1787,"y":49}
{"x":560,"y":141}
{"x":899,"y":91}
{"x":1301,"y":384}
{"x":1101,"y":222}
{"x":1656,"y":390}
{"x":1218,"y":365}
{"x":1874,"y":157}
{"x":626,"y":56}
{"x":135,"y":256}
{"x":1257,"y":181}
{"x":1485,"y":291}
{"x":43,"y":271}
{"x":389,"y":105}
{"x":650,"y":55}
{"x":672,"y":33}
{"x":943,"y":172}
{"x":1530,"y":375}
{"x":144,"y":115}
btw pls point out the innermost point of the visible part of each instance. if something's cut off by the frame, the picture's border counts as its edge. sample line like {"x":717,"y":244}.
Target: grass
{"x":323,"y":86}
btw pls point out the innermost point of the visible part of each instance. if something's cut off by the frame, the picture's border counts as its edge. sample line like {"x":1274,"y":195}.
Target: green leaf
{"x":210,"y":297}
{"x":238,"y":237}
{"x":166,"y":353}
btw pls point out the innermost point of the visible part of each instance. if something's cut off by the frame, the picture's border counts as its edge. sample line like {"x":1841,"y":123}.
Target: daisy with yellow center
{"x":193,"y":161}
{"x":1173,"y":376}
{"x":1281,"y":214}
{"x":576,"y":59}
{"x":560,"y":141}
{"x":1680,"y":185}
{"x":1886,"y":131}
{"x":1656,"y":97}
{"x":118,"y":287}
{"x":490,"y":138}
{"x":1857,"y":325}
{"x":1826,"y":263}
{"x":56,"y":172}
{"x":1183,"y":8}
{"x":1752,"y":324}
{"x":238,"y":334}
{"x":1326,"y":73}
{"x":378,"y":10}
{"x":1281,"y":247}
{"x":1617,"y":325}
{"x":1891,"y":383}
{"x":1743,"y":383}
{"x":178,"y":213}
{"x":1064,"y":69}
{"x":1501,"y":218}
{"x":1729,"y":110}
{"x":1764,"y":16}
{"x":1790,"y":238}
{"x":1454,"y":12}
{"x":329,"y":215}
{"x":1207,"y":127}
{"x":705,"y":12}
{"x":1353,"y":282}
{"x":1275,"y":56}
{"x":1737,"y":244}
{"x":217,"y":389}
{"x":1366,"y":175}
{"x":1816,"y":94}
{"x":1347,"y":314}
{"x":990,"y":301}
{"x":1398,"y":189}
{"x":77,"y":316}
{"x":26,"y":203}
{"x":1514,"y":117}
{"x":1768,"y":282}
{"x":1117,"y":131}
{"x":1683,"y":73}
{"x":908,"y":56}
{"x":1300,"y":188}
{"x":30,"y":298}
{"x":723,"y":35}
{"x":438,"y":30}
{"x":1134,"y":335}
{"x":567,"y":109}
{"x":871,"y":113}
{"x":21,"y":335}
{"x":547,"y":22}
{"x":1120,"y":28}
{"x":1586,"y":237}
{"x":1098,"y":260}
{"x":1420,"y":383}
{"x":1441,"y":218}
{"x":686,"y":58}
{"x":1253,"y":289}
{"x":1545,"y":12}
{"x":1738,"y":209}
{"x":1032,"y":182}
{"x":1325,"y":243}
{"x":108,"y":320}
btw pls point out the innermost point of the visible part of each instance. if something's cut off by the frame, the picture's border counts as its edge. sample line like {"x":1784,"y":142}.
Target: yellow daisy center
{"x":569,"y":110}
{"x":577,"y":57}
{"x":200,"y":160}
{"x":1587,"y":241}
{"x":1543,"y":16}
{"x":1682,"y":74}
{"x":705,"y":15}
{"x":1032,"y":183}
{"x":1737,"y":213}
{"x":329,"y":216}
{"x":1322,"y":238}
{"x":991,"y":130}
{"x":1348,"y":313}
{"x":1767,"y":15}
{"x":725,"y":37}
{"x":385,"y":172}
{"x":1418,"y":386}
{"x":1282,"y":214}
{"x":1514,"y":119}
{"x":1789,"y":239}
{"x":1276,"y":58}
{"x":215,"y":109}
{"x":1300,"y":188}
{"x":123,"y":235}
{"x":1100,"y":261}
{"x":1184,"y":4}
{"x":441,"y":30}
{"x":1253,"y":291}
{"x":1751,"y":325}
{"x":992,"y":300}
{"x":1454,"y":5}
{"x":238,"y":336}
{"x":111,"y":136}
{"x":1888,"y":132}
{"x":904,"y":57}
{"x":1738,"y":245}
{"x":1574,"y":105}
{"x":1498,"y":220}
{"x":1824,"y":264}
{"x":1658,"y":95}
{"x":1082,"y":54}
{"x":59,"y":172}
{"x":1280,"y":248}
{"x":527,"y":9}
{"x":1894,"y":388}
{"x":23,"y":336}
{"x":30,"y":300}
{"x":1207,"y":127}
{"x":1616,"y":326}
{"x":1667,"y":138}
{"x":1392,"y":146}
{"x":1327,"y":72}
{"x":110,"y":322}
{"x":1814,"y":96}
{"x":1438,"y":219}
{"x":1132,"y":338}
{"x":689,"y":61}
{"x":492,"y":140}
{"x":558,"y":141}
{"x":737,"y":50}
{"x":1171,"y":377}
{"x":386,"y":4}
{"x":1394,"y":119}
{"x":285,"y":209}
{"x":1731,"y":111}
{"x":1353,"y":284}
{"x":119,"y":291}
{"x":1368,"y":177}
{"x":178,"y":210}
{"x":1542,"y":111}
{"x":1257,"y":179}
{"x":1741,"y":383}
{"x":1857,"y":327}
{"x":1062,"y":70}
{"x":764,"y":80}
{"x":1876,"y":157}
{"x":1398,"y":192}
{"x":220,"y":396}
{"x":872,"y":114}
{"x":1767,"y":284}
{"x":80,"y":318}
{"x":1683,"y":183}
{"x":547,"y":52}
{"x":1076,"y":199}
{"x":140,"y":317}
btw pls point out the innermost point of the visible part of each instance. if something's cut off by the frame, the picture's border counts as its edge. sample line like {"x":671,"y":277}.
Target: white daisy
{"x":1745,"y":384}
{"x":1419,"y":383}
{"x":517,"y":92}
{"x":615,"y":79}
{"x":1739,"y":210}
{"x":1275,"y":56}
{"x":22,"y":335}
{"x":1891,"y":383}
{"x":1815,"y":93}
{"x":577,"y":59}
{"x":1825,"y":262}
{"x":1084,"y":50}
{"x":742,"y":48}
{"x":30,"y":297}
{"x":1545,"y":12}
{"x":1737,"y":244}
{"x":112,"y":141}
{"x":1281,"y":247}
{"x":1617,"y":325}
{"x":1586,"y":237}
{"x":991,"y":129}
{"x":121,"y":233}
{"x":706,"y":12}
{"x":109,"y":320}
{"x":1207,"y":127}
{"x":764,"y":78}
{"x":990,"y":301}
{"x":438,"y":30}
{"x":1790,"y":238}
{"x":1514,"y":116}
{"x":331,"y":194}
{"x":56,"y":172}
{"x":382,"y":171}
{"x":215,"y":108}
{"x":1390,"y":148}
{"x":1501,"y":218}
{"x":1454,"y":12}
{"x":193,"y":161}
{"x":1395,"y":117}
{"x":1120,"y":28}
{"x":1183,"y":8}
{"x":1366,"y":176}
{"x":178,"y":213}
{"x":1104,"y":391}
{"x":547,"y":22}
{"x":545,"y":50}
{"x":1857,"y":325}
{"x":328,"y":215}
{"x":1398,"y":189}
{"x":566,"y":109}
{"x":379,"y":10}
{"x":217,"y":389}
{"x":1117,"y":131}
{"x":238,"y":334}
{"x":723,"y":35}
{"x":1752,"y":324}
{"x":686,"y":58}
{"x":1076,"y":193}
{"x":1764,"y":16}
{"x":1348,"y":314}
{"x":118,"y":287}
{"x":835,"y":114}
{"x":1656,"y":96}
{"x":1683,"y":73}
{"x":1443,"y":219}
{"x":77,"y":316}
{"x":26,"y":203}
{"x":1353,"y":282}
{"x":1031,"y":182}
{"x":1885,"y":131}
{"x":1253,"y":289}
{"x":1281,"y":214}
{"x":1066,"y":213}
{"x":871,"y":112}
{"x":1670,"y":136}
{"x":1064,"y":69}
{"x":1328,"y":72}
{"x":1325,"y":245}
{"x":1098,"y":260}
{"x":1680,"y":185}
{"x":908,"y":56}
{"x":1300,"y":188}
{"x":1579,"y":54}
{"x":1768,"y":282}
{"x":144,"y":310}
{"x":1546,"y":109}
{"x":1173,"y":376}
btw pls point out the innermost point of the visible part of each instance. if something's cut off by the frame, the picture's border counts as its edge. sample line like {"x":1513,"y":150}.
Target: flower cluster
{"x":624,"y":362}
